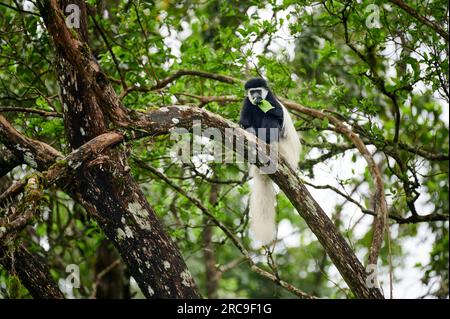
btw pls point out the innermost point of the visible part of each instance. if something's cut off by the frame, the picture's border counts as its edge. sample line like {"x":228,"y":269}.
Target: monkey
{"x":261,"y":109}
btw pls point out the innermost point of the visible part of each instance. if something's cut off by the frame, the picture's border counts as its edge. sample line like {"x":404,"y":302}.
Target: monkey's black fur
{"x":252,"y":117}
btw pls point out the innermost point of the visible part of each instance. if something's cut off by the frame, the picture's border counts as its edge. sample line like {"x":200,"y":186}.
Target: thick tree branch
{"x":32,"y":272}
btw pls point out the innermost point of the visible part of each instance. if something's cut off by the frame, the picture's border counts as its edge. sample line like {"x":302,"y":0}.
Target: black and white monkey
{"x":256,"y":113}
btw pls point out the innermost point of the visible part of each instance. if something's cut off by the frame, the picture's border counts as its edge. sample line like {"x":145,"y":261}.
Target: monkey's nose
{"x":258,"y":99}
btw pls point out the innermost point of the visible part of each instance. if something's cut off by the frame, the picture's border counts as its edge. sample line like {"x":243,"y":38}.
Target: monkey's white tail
{"x":262,"y":193}
{"x":262,"y":207}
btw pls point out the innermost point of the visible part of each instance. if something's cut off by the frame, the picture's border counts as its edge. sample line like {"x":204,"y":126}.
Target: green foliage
{"x":302,"y":49}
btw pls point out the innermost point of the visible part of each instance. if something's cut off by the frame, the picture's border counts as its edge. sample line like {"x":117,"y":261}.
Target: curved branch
{"x":208,"y":99}
{"x":34,"y":153}
{"x":207,"y":75}
{"x":32,"y":272}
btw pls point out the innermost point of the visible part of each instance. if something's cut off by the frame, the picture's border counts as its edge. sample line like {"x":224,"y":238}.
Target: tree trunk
{"x":105,"y":187}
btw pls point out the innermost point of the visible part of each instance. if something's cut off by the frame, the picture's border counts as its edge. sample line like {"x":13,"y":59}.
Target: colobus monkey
{"x":257,"y":113}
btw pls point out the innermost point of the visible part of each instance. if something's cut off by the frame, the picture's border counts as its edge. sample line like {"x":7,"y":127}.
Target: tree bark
{"x":31,"y":271}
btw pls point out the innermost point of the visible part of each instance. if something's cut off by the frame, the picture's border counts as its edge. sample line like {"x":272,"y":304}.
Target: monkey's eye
{"x":260,"y":92}
{"x":255,"y":91}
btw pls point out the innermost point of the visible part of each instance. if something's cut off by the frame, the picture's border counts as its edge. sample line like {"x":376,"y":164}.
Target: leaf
{"x":265,"y":106}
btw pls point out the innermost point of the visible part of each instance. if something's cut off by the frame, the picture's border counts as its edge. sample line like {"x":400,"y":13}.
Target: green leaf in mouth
{"x":265,"y":106}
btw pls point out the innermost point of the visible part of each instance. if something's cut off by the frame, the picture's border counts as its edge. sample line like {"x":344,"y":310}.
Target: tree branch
{"x":379,"y":195}
{"x":178,"y":74}
{"x":207,"y":75}
{"x":108,"y":46}
{"x":29,"y":110}
{"x":433,"y":25}
{"x":34,"y":153}
{"x":32,"y":272}
{"x":26,"y":210}
{"x":433,"y":217}
{"x":106,"y":188}
{"x":208,"y":99}
{"x":18,"y":9}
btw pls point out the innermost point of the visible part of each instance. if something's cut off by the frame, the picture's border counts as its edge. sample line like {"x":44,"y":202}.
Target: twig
{"x":4,"y":109}
{"x":100,"y":276}
{"x":105,"y":39}
{"x":19,"y":10}
{"x":208,"y":99}
{"x":402,"y":5}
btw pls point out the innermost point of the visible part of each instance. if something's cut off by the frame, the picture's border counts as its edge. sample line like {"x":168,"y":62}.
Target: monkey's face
{"x":256,"y":95}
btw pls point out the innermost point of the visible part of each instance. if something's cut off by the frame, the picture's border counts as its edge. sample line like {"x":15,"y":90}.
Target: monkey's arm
{"x":245,"y":120}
